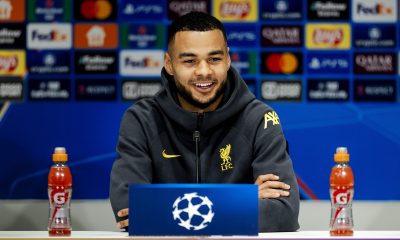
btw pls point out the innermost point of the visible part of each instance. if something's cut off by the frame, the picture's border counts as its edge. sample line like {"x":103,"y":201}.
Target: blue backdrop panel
{"x":86,"y":122}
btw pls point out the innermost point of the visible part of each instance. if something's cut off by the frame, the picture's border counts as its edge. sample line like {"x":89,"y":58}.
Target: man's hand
{"x":270,"y":187}
{"x":123,"y":213}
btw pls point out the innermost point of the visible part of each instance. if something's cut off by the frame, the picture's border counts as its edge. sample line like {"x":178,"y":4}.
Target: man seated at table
{"x":205,"y":113}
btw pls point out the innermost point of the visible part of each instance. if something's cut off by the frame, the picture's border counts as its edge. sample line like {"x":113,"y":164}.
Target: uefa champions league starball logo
{"x":192,"y":211}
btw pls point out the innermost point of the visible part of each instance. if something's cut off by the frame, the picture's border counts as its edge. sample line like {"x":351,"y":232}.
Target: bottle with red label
{"x":341,"y":192}
{"x":59,"y":191}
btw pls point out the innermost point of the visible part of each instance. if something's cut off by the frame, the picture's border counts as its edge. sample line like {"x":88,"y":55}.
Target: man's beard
{"x":185,"y":94}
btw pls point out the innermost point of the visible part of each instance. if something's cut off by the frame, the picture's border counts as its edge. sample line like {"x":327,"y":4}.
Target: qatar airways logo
{"x":235,"y":9}
{"x":374,"y":59}
{"x":281,"y":35}
{"x":8,"y":63}
{"x":330,"y":37}
{"x":183,"y":7}
{"x":374,"y":63}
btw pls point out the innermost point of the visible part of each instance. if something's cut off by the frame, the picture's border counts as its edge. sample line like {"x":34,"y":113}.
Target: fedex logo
{"x":145,"y":62}
{"x":140,"y":62}
{"x":375,"y":10}
{"x":53,"y":35}
{"x":378,"y":9}
{"x":49,"y":36}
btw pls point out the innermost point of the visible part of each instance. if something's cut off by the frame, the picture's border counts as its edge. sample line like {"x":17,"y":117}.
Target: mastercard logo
{"x":281,"y":63}
{"x":96,"y":9}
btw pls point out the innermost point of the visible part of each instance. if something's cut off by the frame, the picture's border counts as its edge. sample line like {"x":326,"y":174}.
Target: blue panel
{"x":193,"y":209}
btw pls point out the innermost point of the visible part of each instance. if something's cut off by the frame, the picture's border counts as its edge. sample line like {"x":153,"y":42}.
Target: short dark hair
{"x":194,"y":21}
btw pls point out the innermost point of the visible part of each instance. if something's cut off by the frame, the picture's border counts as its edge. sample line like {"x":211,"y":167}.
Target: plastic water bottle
{"x":341,"y":192}
{"x":59,"y":191}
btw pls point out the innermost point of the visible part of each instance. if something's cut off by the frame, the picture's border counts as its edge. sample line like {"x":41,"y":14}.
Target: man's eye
{"x":215,"y":59}
{"x":189,"y":61}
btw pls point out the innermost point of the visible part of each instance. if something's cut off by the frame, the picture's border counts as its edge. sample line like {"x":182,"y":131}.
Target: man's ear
{"x":168,"y":63}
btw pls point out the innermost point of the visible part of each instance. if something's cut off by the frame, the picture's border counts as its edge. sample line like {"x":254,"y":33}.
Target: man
{"x":205,"y":116}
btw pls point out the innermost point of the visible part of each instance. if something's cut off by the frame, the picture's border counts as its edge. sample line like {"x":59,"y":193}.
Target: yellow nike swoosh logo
{"x":169,"y":155}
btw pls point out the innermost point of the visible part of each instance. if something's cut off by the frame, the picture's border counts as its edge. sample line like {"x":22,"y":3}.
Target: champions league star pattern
{"x":69,"y":69}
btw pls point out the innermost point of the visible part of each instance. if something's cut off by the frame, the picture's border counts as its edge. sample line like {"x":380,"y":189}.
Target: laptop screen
{"x":193,"y":209}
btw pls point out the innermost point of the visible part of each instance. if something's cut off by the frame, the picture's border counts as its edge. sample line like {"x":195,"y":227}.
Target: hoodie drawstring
{"x":196,"y":139}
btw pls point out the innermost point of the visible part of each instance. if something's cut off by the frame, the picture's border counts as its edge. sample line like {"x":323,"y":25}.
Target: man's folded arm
{"x":271,"y":157}
{"x":132,"y":166}
{"x":279,"y":214}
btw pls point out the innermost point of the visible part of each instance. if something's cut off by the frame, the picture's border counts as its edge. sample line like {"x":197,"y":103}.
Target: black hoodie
{"x":236,"y":143}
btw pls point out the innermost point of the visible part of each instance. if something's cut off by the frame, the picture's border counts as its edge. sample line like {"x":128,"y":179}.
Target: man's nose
{"x":203,"y":69}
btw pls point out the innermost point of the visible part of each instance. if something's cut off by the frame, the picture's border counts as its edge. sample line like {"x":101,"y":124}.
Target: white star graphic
{"x":192,"y":210}
{"x":185,"y":224}
{"x":208,"y":217}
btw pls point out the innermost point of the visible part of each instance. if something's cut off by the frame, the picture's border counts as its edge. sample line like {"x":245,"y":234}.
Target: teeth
{"x":203,"y":84}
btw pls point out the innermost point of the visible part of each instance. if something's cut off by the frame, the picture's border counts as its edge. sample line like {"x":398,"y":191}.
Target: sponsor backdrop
{"x":69,"y":69}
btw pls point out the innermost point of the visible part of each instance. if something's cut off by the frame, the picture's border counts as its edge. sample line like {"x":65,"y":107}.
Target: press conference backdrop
{"x":69,"y":69}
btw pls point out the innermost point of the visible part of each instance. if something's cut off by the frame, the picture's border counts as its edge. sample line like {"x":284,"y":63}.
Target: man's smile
{"x":204,"y":87}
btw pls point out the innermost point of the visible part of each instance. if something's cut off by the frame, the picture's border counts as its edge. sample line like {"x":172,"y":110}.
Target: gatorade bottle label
{"x":60,"y":198}
{"x":341,"y":197}
{"x":342,"y":203}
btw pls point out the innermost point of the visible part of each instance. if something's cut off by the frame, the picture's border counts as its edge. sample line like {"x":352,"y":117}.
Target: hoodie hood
{"x":235,"y":97}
